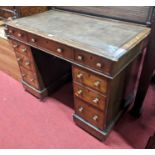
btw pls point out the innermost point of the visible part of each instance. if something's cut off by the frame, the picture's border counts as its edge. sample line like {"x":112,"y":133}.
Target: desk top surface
{"x":106,"y":38}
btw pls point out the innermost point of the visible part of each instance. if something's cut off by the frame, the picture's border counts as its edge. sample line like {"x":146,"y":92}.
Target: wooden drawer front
{"x":89,"y":79}
{"x":21,"y":48}
{"x":29,"y":77}
{"x":56,"y":48}
{"x":100,"y":64}
{"x":19,"y":34}
{"x":81,"y":57}
{"x":93,"y":61}
{"x":90,"y":96}
{"x":25,"y":61}
{"x":90,"y":114}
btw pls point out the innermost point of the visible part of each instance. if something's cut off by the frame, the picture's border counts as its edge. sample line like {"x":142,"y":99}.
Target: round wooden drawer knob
{"x":96,"y":100}
{"x":80,"y":57}
{"x":97,"y":83}
{"x":24,"y":50}
{"x":79,"y":76}
{"x":33,"y":40}
{"x":19,"y":59}
{"x":99,"y":65}
{"x":27,"y":63}
{"x":23,"y":75}
{"x":59,"y":50}
{"x":81,"y":109}
{"x":95,"y":118}
{"x":19,"y":34}
{"x":32,"y":80}
{"x":10,"y":31}
{"x":79,"y":92}
{"x":15,"y":45}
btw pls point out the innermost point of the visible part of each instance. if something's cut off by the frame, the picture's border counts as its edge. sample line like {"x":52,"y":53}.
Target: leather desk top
{"x":107,"y":38}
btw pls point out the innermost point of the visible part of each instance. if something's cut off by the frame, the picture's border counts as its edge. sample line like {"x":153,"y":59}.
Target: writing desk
{"x":104,"y":55}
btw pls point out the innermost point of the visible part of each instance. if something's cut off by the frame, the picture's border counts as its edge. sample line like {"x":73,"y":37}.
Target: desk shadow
{"x":65,"y":95}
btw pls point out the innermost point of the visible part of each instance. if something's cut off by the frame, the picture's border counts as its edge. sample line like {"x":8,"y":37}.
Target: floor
{"x":26,"y":122}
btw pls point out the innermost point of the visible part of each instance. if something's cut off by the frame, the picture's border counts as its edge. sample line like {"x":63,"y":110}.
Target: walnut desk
{"x":104,"y":55}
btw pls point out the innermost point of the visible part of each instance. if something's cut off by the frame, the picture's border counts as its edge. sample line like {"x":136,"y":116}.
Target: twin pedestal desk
{"x":102,"y":55}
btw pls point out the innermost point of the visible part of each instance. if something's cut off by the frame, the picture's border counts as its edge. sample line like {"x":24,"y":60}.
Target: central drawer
{"x":55,"y":47}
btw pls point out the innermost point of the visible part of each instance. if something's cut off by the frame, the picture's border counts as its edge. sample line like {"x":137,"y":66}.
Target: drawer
{"x":29,"y":77}
{"x":54,"y":47}
{"x":81,"y":57}
{"x":93,"y":61}
{"x":90,"y":114}
{"x":25,"y":61}
{"x":19,"y":34}
{"x":100,"y":64}
{"x":90,"y":79}
{"x":21,"y":48}
{"x":92,"y":97}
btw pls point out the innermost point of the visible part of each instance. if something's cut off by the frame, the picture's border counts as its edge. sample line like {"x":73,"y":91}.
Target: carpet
{"x":26,"y":122}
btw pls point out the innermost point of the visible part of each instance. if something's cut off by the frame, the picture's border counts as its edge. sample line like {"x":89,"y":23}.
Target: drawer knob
{"x":15,"y":45}
{"x":97,"y":83}
{"x":80,"y":57}
{"x":19,"y":59}
{"x":79,"y":92}
{"x":24,"y":50}
{"x":27,"y":63}
{"x":98,"y":65}
{"x":59,"y":50}
{"x":95,"y":118}
{"x":33,"y":40}
{"x":81,"y":109}
{"x":10,"y":31}
{"x":79,"y":76}
{"x":31,"y":80}
{"x":96,"y":100}
{"x":19,"y":34}
{"x":23,"y":75}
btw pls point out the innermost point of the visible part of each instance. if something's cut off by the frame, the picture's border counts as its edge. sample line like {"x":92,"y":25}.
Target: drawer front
{"x":90,"y":114}
{"x":54,"y":47}
{"x":82,"y":57}
{"x":25,"y":62}
{"x":19,"y":34}
{"x":89,"y":79}
{"x":93,"y":61}
{"x":101,"y":64}
{"x":21,"y":48}
{"x":29,"y":77}
{"x":90,"y":96}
